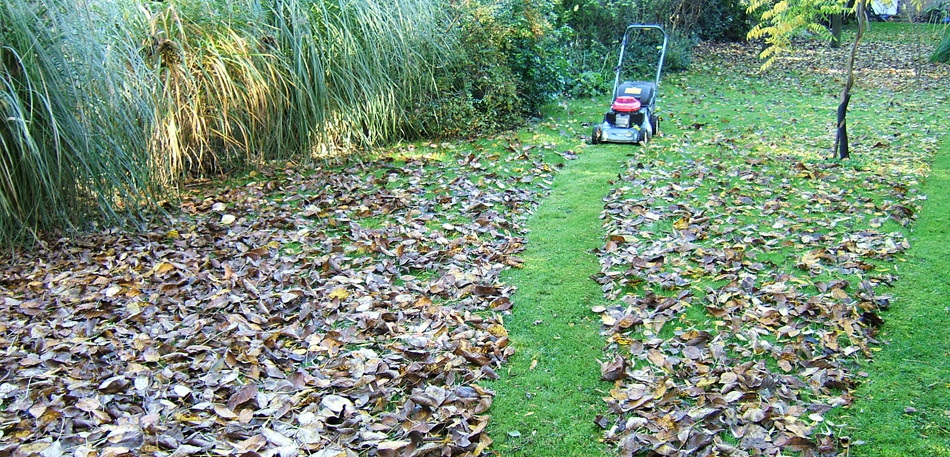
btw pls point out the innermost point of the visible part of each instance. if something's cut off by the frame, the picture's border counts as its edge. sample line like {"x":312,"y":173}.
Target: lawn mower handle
{"x":623,"y":47}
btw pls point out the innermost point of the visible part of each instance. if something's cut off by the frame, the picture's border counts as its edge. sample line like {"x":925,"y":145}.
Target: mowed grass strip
{"x":903,"y":409}
{"x":550,"y":392}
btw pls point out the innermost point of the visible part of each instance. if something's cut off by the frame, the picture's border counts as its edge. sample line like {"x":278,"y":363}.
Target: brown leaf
{"x":276,"y":438}
{"x":224,"y":412}
{"x":336,"y":403}
{"x":243,"y":395}
{"x":613,"y":370}
{"x":88,"y":404}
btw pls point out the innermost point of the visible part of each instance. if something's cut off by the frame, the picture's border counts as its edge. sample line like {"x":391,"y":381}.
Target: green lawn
{"x":903,"y":408}
{"x":550,"y":394}
{"x":750,"y":152}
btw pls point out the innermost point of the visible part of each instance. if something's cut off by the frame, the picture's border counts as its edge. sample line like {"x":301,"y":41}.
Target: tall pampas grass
{"x":106,"y":104}
{"x":73,"y":109}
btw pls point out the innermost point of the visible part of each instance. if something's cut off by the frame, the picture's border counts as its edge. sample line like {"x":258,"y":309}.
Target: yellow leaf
{"x":151,"y":355}
{"x":617,"y":394}
{"x":621,"y":340}
{"x":681,"y":224}
{"x":163,"y":267}
{"x":182,"y":417}
{"x":483,"y":442}
{"x":113,"y":291}
{"x":224,"y":412}
{"x":339,"y":294}
{"x":35,"y":447}
{"x":88,"y":404}
{"x":497,"y":330}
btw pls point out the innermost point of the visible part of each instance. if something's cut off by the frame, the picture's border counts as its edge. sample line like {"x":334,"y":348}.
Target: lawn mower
{"x":632,"y":116}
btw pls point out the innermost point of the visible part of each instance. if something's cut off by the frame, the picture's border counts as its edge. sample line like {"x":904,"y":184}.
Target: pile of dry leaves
{"x":745,"y":274}
{"x":330,"y":312}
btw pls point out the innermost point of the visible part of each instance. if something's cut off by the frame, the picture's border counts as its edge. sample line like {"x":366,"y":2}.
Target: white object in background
{"x":885,"y":7}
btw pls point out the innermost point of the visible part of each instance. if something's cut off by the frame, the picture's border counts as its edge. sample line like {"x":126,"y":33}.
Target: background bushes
{"x":598,"y":26}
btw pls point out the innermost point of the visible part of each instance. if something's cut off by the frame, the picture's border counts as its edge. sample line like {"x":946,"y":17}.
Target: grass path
{"x":554,"y":375}
{"x":903,"y":409}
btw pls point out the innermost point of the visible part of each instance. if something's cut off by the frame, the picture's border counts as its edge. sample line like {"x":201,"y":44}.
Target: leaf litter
{"x":745,"y":270}
{"x":327,"y":312}
{"x":346,"y":312}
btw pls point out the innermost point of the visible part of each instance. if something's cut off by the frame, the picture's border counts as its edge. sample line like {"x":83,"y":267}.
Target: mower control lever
{"x":623,"y":46}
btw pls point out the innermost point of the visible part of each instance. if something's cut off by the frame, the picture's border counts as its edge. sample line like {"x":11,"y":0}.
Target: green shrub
{"x":508,"y":60}
{"x":942,"y":53}
{"x":599,"y":21}
{"x":535,"y":51}
{"x":936,"y":12}
{"x":589,"y":83}
{"x":476,"y":90}
{"x":679,"y":54}
{"x":720,"y":20}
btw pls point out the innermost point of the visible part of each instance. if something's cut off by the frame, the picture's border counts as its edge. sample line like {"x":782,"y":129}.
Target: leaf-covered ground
{"x":354,"y":311}
{"x":297,"y":312}
{"x":746,"y":268}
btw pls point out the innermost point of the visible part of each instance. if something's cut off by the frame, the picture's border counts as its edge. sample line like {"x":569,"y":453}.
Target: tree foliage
{"x":780,"y":21}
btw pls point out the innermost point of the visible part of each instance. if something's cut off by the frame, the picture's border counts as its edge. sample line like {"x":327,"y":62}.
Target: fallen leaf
{"x":88,"y":404}
{"x":613,"y":370}
{"x":241,"y":396}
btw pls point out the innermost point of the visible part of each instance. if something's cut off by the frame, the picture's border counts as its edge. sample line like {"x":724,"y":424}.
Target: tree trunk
{"x":918,"y":53}
{"x":836,"y":20}
{"x":841,"y":135}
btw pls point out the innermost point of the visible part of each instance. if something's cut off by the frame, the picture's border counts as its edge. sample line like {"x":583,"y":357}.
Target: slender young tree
{"x":841,"y":133}
{"x":780,"y":20}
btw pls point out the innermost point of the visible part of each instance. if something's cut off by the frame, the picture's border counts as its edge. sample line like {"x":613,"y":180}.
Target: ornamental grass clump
{"x":104,"y":104}
{"x":242,"y":83}
{"x":942,"y":53}
{"x":74,"y":102}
